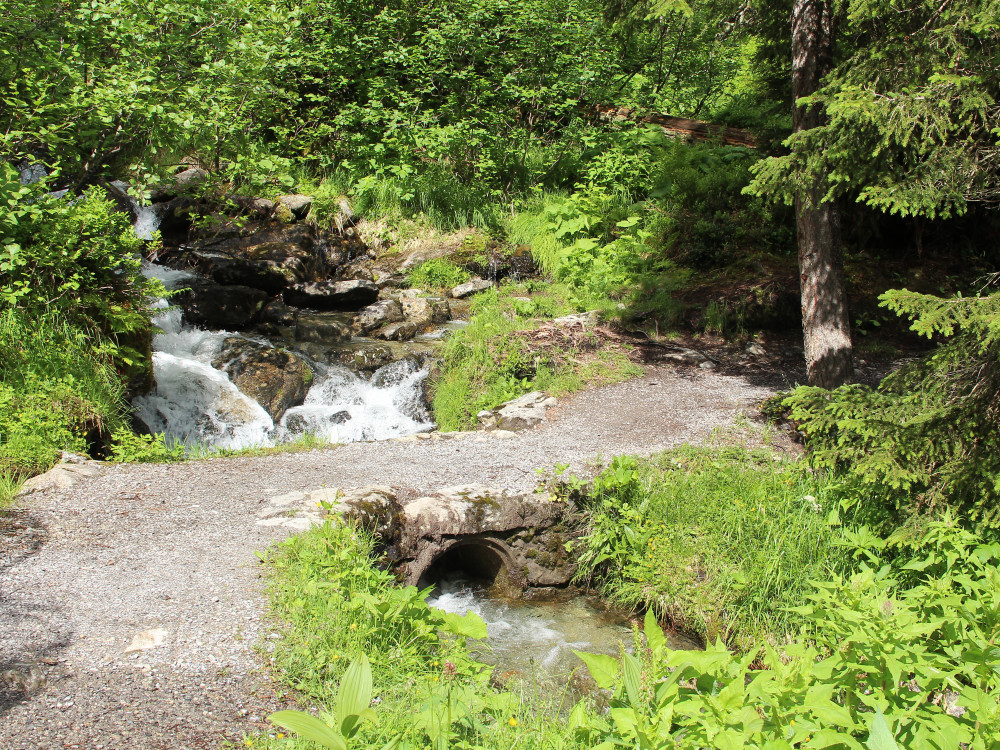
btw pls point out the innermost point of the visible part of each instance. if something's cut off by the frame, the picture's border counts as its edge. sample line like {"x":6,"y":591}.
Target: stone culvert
{"x":485,"y":535}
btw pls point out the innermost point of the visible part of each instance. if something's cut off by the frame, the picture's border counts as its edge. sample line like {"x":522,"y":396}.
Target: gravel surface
{"x":171,"y":547}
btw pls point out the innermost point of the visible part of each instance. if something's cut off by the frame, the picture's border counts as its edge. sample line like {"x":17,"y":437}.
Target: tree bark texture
{"x":825,"y":321}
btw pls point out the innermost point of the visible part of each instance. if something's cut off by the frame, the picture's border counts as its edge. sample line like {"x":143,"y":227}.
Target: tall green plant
{"x":719,"y":542}
{"x":879,"y":666}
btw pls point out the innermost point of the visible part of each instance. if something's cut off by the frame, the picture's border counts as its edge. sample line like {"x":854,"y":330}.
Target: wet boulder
{"x":397,"y":371}
{"x":397,"y":331}
{"x":274,"y":378}
{"x":270,"y":266}
{"x":214,"y":305}
{"x":424,"y":312}
{"x":356,"y":270}
{"x":332,"y":295}
{"x":277,"y":319}
{"x":378,"y":314}
{"x":369,"y":357}
{"x":324,"y":328}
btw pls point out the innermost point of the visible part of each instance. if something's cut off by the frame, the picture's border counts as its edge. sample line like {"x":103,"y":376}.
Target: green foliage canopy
{"x":913,"y":111}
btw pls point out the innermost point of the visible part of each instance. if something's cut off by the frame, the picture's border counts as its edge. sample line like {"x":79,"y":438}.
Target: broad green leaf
{"x":355,"y":693}
{"x":469,"y":626}
{"x":632,"y":671}
{"x":654,"y":633}
{"x":309,"y":727}
{"x":879,"y":735}
{"x":603,"y":668}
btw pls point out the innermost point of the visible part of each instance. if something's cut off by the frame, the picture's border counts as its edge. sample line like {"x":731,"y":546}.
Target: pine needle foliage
{"x":928,"y":438}
{"x":913,"y":122}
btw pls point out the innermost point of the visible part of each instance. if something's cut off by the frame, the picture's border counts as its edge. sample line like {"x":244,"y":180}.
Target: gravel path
{"x":171,"y":547}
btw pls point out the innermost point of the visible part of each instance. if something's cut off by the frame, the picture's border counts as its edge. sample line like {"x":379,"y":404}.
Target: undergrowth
{"x":717,"y":541}
{"x":334,"y":605}
{"x":55,"y":389}
{"x":10,"y":485}
{"x":437,"y":274}
{"x":898,"y":654}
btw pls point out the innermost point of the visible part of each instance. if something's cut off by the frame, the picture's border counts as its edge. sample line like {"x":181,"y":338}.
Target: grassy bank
{"x":56,"y":389}
{"x":507,"y":351}
{"x":718,"y":542}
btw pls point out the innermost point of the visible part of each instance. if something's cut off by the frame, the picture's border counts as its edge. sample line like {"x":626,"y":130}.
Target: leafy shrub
{"x":36,"y":424}
{"x":706,"y":218}
{"x":128,"y":447}
{"x":880,"y":663}
{"x":622,"y":162}
{"x":78,"y":257}
{"x":928,"y":438}
{"x":719,"y":542}
{"x":437,"y":274}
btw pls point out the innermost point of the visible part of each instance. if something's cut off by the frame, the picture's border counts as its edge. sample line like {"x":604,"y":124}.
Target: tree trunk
{"x":825,"y":322}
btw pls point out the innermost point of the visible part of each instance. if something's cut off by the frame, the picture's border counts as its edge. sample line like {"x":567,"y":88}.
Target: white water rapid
{"x":536,"y":638}
{"x":198,"y":405}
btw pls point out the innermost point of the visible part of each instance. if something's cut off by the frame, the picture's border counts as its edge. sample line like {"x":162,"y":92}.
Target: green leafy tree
{"x":108,"y":87}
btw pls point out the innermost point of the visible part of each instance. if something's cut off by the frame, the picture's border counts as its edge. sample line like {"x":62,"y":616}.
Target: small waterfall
{"x":196,"y":404}
{"x":343,"y":407}
{"x":147,"y":220}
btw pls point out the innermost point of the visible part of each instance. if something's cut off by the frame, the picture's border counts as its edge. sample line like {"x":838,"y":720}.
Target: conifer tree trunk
{"x":825,"y":322}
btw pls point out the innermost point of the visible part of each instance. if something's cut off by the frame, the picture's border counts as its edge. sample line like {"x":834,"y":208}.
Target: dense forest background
{"x":873,"y":194}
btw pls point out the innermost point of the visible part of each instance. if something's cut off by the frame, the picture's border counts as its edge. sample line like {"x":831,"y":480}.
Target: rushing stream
{"x":196,"y":404}
{"x":536,"y":639}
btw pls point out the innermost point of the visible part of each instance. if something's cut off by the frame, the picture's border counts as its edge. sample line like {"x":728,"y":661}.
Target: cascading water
{"x":344,"y":408}
{"x":196,"y":404}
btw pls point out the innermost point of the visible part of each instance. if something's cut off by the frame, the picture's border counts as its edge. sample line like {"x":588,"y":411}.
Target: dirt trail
{"x":171,"y":547}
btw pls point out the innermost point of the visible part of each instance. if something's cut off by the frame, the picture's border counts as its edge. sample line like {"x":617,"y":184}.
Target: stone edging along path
{"x":131,"y":603}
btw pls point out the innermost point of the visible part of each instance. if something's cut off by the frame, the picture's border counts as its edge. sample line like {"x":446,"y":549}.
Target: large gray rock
{"x":587,"y":319}
{"x":424,"y":312}
{"x":297,"y":206}
{"x":377,"y":315}
{"x":527,"y":411}
{"x":270,"y":266}
{"x":70,"y":470}
{"x":274,"y":378}
{"x":374,"y":508}
{"x":332,"y":295}
{"x":397,"y":331}
{"x":470,"y":287}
